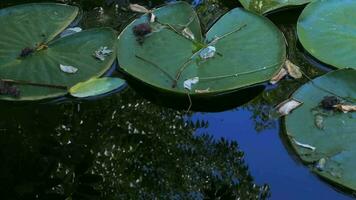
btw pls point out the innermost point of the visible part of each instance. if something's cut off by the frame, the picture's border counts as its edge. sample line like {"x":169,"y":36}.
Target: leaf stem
{"x":156,"y":66}
{"x":21,"y":82}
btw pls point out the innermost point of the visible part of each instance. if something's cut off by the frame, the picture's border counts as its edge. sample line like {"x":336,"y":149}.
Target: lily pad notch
{"x":37,"y":64}
{"x":169,"y":53}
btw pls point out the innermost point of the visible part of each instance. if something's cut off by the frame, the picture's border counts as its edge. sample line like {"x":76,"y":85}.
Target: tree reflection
{"x":119,"y":147}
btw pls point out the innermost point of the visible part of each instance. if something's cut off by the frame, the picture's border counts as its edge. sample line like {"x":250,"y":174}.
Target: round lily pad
{"x":323,"y":135}
{"x":326,"y":30}
{"x":264,"y":6}
{"x":240,"y":50}
{"x":41,"y":66}
{"x":96,"y":86}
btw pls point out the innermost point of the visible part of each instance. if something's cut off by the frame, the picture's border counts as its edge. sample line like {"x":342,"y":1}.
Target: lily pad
{"x":240,"y":50}
{"x":96,"y":86}
{"x":334,"y":143}
{"x":264,"y":6}
{"x":32,"y":57}
{"x":326,"y":30}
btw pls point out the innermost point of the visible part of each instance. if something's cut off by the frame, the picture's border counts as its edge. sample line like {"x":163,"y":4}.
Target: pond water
{"x":124,"y":146}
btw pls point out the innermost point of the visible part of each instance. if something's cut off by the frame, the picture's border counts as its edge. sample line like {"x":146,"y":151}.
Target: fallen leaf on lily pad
{"x":188,"y":83}
{"x":68,"y":69}
{"x":345,"y":108}
{"x":95,"y":86}
{"x":102,"y":53}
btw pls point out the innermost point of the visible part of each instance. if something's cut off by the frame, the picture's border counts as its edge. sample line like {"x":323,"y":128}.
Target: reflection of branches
{"x":120,"y":147}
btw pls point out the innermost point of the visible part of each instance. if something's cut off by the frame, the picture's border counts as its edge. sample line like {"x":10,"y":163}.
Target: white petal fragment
{"x":68,"y":69}
{"x":202,"y":91}
{"x":307,"y":146}
{"x":102,"y":53}
{"x":189,"y":82}
{"x":152,"y":17}
{"x":138,"y":8}
{"x":287,"y":106}
{"x":188,"y":33}
{"x":207,"y":52}
{"x":293,"y":70}
{"x":279,"y":76}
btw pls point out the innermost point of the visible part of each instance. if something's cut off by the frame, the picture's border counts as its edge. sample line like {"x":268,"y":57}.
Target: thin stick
{"x":20,"y":82}
{"x":226,"y":34}
{"x":190,"y":102}
{"x":326,"y":90}
{"x":156,"y":66}
{"x":185,"y":64}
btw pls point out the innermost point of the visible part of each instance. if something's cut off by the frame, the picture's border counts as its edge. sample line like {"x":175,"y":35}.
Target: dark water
{"x":125,"y":147}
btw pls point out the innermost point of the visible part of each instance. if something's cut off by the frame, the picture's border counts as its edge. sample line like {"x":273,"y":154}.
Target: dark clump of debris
{"x":26,"y":52}
{"x":329,"y":102}
{"x":140,"y":31}
{"x":9,"y":89}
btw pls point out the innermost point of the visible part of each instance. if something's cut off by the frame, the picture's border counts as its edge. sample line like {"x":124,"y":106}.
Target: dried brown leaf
{"x":287,"y":106}
{"x":293,"y":70}
{"x":346,"y":108}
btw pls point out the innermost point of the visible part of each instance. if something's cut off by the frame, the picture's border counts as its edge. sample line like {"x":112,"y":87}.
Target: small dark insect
{"x":26,"y":52}
{"x":9,"y":89}
{"x":329,"y":102}
{"x":140,"y":31}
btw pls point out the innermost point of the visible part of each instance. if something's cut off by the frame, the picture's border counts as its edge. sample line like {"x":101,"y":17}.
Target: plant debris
{"x":188,"y":83}
{"x":188,"y":33}
{"x":70,"y":31}
{"x":102,"y":53}
{"x":138,"y":8}
{"x":307,"y":146}
{"x":141,"y":31}
{"x":9,"y":89}
{"x":279,"y":76}
{"x":26,"y":52}
{"x":320,"y":165}
{"x":68,"y":69}
{"x":319,"y":121}
{"x":287,"y":106}
{"x":293,"y":70}
{"x":329,"y":102}
{"x":288,"y":68}
{"x":202,"y":91}
{"x":207,"y":52}
{"x":345,"y":108}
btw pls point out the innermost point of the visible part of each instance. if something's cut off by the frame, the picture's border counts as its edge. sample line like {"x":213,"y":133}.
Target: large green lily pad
{"x":264,"y":6}
{"x":326,"y":30}
{"x":34,"y":25}
{"x":251,"y":51}
{"x":331,"y":133}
